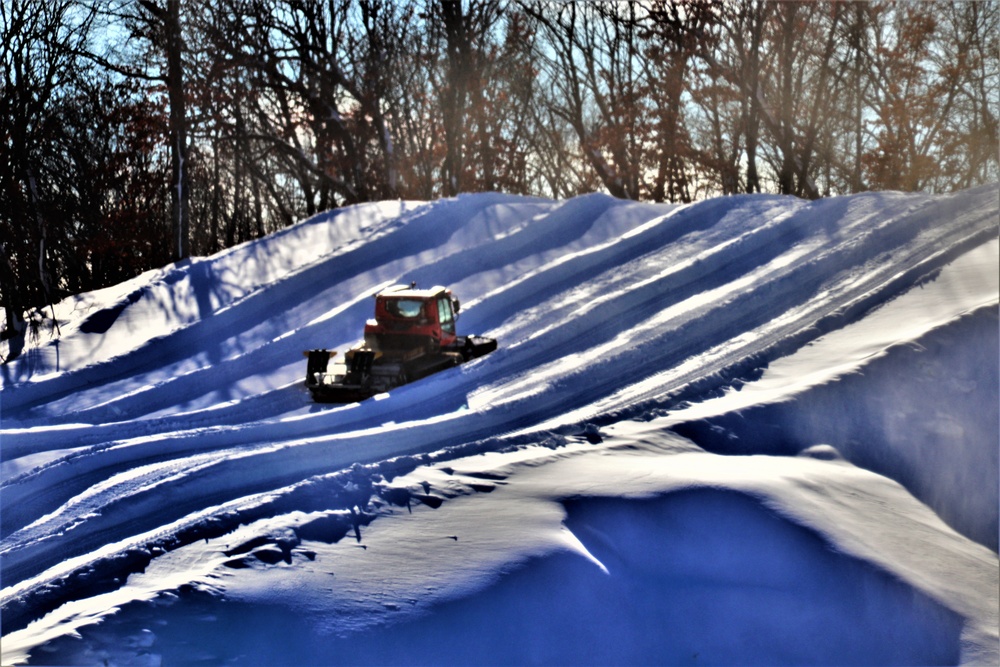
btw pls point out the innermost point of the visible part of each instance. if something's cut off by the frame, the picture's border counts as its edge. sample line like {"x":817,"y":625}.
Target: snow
{"x":750,"y":430}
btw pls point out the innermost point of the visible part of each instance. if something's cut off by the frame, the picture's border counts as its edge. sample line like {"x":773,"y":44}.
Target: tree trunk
{"x":456,"y":91}
{"x":180,"y":180}
{"x":786,"y":143}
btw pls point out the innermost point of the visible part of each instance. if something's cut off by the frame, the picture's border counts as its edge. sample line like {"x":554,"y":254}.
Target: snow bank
{"x":909,"y":392}
{"x":163,"y":458}
{"x":639,"y":548}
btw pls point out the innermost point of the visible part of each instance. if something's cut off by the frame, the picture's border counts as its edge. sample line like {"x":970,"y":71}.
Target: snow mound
{"x":752,"y":413}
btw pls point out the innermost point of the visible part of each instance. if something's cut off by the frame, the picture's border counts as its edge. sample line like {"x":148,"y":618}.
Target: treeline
{"x":143,"y":131}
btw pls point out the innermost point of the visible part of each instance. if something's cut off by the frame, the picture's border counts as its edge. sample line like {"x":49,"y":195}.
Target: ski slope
{"x":749,"y":356}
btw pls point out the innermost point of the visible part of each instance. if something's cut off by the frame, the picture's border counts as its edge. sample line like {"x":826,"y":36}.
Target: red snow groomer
{"x":412,"y":336}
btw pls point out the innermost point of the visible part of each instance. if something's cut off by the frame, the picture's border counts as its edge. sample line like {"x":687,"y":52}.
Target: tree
{"x":588,"y":74}
{"x":159,"y":23}
{"x":463,"y":36}
{"x":142,"y":130}
{"x":677,"y":33}
{"x":39,"y":44}
{"x":932,"y":81}
{"x":116,"y":166}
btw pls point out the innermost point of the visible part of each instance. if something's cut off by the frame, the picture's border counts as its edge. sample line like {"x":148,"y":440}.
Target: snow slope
{"x":749,"y":430}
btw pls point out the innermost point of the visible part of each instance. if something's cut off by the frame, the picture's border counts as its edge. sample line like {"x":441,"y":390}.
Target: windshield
{"x":405,"y":308}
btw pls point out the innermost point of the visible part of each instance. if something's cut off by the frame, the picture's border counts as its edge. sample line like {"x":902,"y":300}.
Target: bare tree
{"x":677,"y":33}
{"x":196,"y":125}
{"x":157,"y":23}
{"x":584,"y":73}
{"x":39,"y":45}
{"x":465,"y":33}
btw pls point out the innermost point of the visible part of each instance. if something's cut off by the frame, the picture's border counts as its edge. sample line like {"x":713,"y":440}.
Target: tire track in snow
{"x":581,"y":271}
{"x":570,"y":219}
{"x":423,"y":231}
{"x":528,"y":362}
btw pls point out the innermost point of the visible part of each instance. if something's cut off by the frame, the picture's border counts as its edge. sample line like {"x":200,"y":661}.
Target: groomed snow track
{"x":175,"y":410}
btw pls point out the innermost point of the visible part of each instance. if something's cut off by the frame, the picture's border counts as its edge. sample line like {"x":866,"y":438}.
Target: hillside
{"x":711,"y":433}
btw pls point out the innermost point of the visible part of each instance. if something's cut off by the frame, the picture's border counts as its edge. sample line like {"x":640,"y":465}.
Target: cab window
{"x":445,"y":316}
{"x":406,"y":308}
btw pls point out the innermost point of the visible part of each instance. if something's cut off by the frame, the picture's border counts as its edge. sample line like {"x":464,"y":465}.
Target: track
{"x":603,"y":310}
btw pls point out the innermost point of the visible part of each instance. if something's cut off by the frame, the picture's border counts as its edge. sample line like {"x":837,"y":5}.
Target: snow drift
{"x":749,"y":430}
